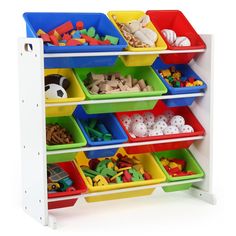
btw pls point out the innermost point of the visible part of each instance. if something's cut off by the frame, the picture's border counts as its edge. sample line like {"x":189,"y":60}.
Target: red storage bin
{"x":79,"y":185}
{"x":160,"y":108}
{"x":175,"y":20}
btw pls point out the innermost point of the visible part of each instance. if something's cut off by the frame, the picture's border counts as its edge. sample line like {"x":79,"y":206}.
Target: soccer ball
{"x":53,"y":91}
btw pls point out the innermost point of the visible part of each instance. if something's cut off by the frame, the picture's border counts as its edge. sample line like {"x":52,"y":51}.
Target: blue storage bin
{"x":187,"y":72}
{"x":49,"y":21}
{"x":112,"y":124}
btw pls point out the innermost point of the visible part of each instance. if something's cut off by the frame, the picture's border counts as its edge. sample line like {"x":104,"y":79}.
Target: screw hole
{"x":24,"y":146}
{"x":200,"y":194}
{"x":22,"y":100}
{"x":40,"y":201}
{"x":25,"y":207}
{"x":35,"y":55}
{"x":37,"y":105}
{"x":21,"y":54}
{"x":38,"y":153}
{"x":40,"y":218}
{"x":25,"y":192}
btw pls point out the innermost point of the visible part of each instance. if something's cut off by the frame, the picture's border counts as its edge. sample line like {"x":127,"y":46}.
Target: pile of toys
{"x":147,"y":124}
{"x":119,"y":169}
{"x":67,"y":35}
{"x":56,"y":86}
{"x":55,"y":134}
{"x":136,"y":32}
{"x":176,"y":167}
{"x":174,"y":40}
{"x":96,"y":130}
{"x":176,"y":79}
{"x":114,"y":83}
{"x":58,"y":179}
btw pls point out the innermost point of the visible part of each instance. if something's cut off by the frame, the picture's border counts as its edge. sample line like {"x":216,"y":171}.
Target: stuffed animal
{"x":139,"y":30}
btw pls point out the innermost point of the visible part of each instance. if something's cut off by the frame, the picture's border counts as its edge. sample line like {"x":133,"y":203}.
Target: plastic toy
{"x":114,"y":83}
{"x":58,"y":179}
{"x":148,"y":125}
{"x":175,"y":167}
{"x":67,"y":35}
{"x":55,"y":134}
{"x":171,"y":37}
{"x":136,"y":33}
{"x":176,"y":79}
{"x":119,"y":169}
{"x":54,"y":91}
{"x":96,"y":130}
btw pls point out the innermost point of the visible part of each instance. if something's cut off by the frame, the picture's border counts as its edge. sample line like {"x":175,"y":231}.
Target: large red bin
{"x":79,"y":185}
{"x":160,"y":108}
{"x":175,"y":20}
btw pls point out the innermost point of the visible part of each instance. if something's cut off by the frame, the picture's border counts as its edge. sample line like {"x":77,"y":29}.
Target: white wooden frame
{"x":33,"y":146}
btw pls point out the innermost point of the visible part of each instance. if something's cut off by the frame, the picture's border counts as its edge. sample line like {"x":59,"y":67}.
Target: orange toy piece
{"x":79,"y":25}
{"x":45,"y":38}
{"x":62,"y":29}
{"x":73,"y":42}
{"x":54,"y":40}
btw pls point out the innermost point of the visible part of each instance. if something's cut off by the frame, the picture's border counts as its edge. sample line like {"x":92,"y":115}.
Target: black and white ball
{"x":54,"y":91}
{"x":57,"y":79}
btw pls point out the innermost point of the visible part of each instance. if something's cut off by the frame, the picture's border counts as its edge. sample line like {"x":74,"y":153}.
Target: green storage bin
{"x":146,"y":73}
{"x":72,"y":127}
{"x":192,"y":165}
{"x":56,"y":158}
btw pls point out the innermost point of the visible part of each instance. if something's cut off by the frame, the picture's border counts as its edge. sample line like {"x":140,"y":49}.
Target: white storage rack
{"x":33,"y":131}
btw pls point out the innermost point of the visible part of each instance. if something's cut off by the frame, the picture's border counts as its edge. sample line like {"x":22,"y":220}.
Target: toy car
{"x":53,"y":186}
{"x":57,"y":175}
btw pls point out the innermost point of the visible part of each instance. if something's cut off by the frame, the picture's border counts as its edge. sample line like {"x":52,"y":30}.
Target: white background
{"x":170,"y":214}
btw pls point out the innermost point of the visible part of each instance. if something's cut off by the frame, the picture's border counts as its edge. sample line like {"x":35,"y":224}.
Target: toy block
{"x":40,"y":32}
{"x":142,"y":84}
{"x":64,"y":28}
{"x":62,"y":44}
{"x":105,"y":42}
{"x":113,"y":40}
{"x":83,"y":31}
{"x":76,"y":35}
{"x":91,"y":32}
{"x":73,"y":42}
{"x":66,"y":37}
{"x":58,"y":36}
{"x":97,"y":37}
{"x":45,"y":38}
{"x":79,"y":25}
{"x":81,"y":40}
{"x":54,"y":40}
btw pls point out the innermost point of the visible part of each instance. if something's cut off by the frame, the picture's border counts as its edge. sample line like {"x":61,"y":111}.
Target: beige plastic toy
{"x":139,"y":30}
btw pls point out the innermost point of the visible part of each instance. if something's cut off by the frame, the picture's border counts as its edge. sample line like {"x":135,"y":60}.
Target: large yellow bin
{"x":149,"y":165}
{"x":140,"y":60}
{"x":74,"y":93}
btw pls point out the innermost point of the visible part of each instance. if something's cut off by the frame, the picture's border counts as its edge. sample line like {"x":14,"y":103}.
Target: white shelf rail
{"x":165,"y":184}
{"x":82,"y":149}
{"x":123,"y":100}
{"x":119,"y":53}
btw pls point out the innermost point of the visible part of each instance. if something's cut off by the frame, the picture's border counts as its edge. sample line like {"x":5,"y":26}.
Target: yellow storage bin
{"x":74,"y":93}
{"x":149,"y":165}
{"x":140,"y":60}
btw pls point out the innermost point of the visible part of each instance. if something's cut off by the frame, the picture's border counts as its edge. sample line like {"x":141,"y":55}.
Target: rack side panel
{"x":33,"y":147}
{"x":202,"y":108}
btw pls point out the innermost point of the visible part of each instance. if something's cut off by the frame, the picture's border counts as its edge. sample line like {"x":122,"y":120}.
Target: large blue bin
{"x":49,"y":21}
{"x":187,"y":72}
{"x":112,"y":124}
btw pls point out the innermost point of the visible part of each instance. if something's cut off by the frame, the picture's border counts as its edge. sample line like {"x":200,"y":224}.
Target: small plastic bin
{"x":55,"y":158}
{"x":186,"y":72}
{"x":146,"y":73}
{"x":140,"y":60}
{"x":74,"y":93}
{"x":149,"y":164}
{"x":78,"y":184}
{"x":160,"y":108}
{"x":191,"y":165}
{"x":69,"y":123}
{"x":175,"y":20}
{"x":113,"y":126}
{"x":49,"y":21}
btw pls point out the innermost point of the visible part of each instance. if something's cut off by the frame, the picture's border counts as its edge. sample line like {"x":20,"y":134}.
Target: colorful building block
{"x":62,"y":29}
{"x":79,"y":25}
{"x":112,"y":39}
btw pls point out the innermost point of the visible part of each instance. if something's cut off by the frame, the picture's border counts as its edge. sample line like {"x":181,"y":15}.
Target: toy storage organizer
{"x":36,"y":155}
